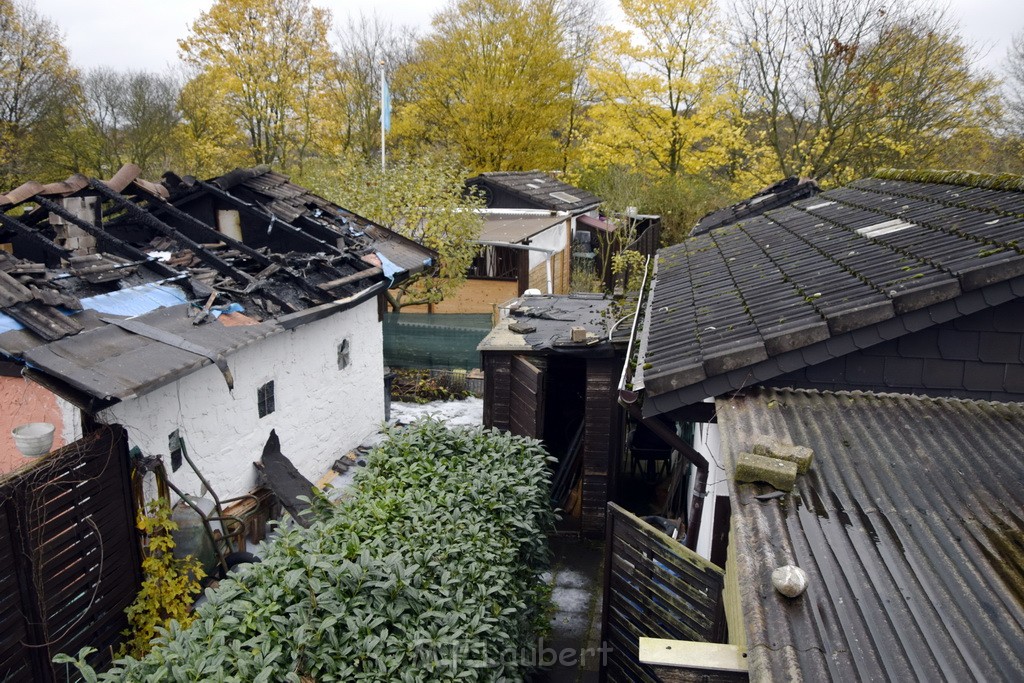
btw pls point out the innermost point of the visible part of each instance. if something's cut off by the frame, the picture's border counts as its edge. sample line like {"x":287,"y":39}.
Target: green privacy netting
{"x":434,"y":340}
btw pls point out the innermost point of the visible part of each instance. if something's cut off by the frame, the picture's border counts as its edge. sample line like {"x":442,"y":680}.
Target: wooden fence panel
{"x":654,"y":587}
{"x":68,"y":524}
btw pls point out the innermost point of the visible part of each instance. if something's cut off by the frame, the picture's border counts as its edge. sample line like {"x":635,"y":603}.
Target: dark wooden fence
{"x":654,"y":587}
{"x":69,"y":558}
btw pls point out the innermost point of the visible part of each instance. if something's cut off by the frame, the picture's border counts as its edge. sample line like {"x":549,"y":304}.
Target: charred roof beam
{"x":269,"y":216}
{"x":32,"y":236}
{"x":106,"y":239}
{"x":242,"y":247}
{"x":151,"y":221}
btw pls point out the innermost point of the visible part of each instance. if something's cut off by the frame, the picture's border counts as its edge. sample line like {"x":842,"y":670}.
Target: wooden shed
{"x":551,"y":368}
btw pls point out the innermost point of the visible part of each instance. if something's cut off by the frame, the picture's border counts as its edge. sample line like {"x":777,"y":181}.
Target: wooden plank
{"x":689,"y":654}
{"x":527,"y":395}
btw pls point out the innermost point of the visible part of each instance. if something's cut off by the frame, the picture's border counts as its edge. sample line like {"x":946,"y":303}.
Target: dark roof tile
{"x":878,"y":257}
{"x":540,"y":189}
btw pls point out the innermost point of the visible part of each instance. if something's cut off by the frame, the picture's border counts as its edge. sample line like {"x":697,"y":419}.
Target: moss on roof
{"x":989,"y":181}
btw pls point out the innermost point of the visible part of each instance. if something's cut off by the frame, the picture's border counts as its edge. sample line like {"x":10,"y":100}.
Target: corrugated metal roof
{"x":540,"y":189}
{"x":909,"y":525}
{"x":136,"y":300}
{"x":845,"y":260}
{"x":514,"y":228}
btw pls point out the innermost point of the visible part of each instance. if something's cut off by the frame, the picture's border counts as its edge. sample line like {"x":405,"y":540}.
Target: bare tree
{"x":1015,"y":83}
{"x":580,"y":21}
{"x":365,"y":46}
{"x":844,"y":85}
{"x":126,"y":116}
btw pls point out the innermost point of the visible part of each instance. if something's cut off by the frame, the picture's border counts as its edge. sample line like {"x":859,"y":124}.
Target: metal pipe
{"x":632,"y":331}
{"x":529,"y":247}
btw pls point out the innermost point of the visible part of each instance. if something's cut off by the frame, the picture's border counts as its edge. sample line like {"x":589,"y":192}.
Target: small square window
{"x":343,"y":355}
{"x":265,"y":398}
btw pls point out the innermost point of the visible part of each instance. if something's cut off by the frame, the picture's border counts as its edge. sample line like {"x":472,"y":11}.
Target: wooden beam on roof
{"x":269,"y":216}
{"x":106,"y":239}
{"x":151,"y":221}
{"x":19,"y":228}
{"x":214,"y":235}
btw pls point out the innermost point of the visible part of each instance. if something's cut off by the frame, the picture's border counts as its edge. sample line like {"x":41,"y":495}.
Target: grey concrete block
{"x":779,"y":473}
{"x":801,"y":455}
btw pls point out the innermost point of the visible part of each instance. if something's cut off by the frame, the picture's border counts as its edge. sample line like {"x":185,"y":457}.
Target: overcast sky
{"x":142,"y":34}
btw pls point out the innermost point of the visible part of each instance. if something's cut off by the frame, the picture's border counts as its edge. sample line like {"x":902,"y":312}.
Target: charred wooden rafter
{"x":106,"y":239}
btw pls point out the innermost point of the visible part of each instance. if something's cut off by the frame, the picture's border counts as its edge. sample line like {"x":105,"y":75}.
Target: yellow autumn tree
{"x":663,"y":102}
{"x":490,"y":84}
{"x":210,"y":141}
{"x":269,"y":58}
{"x":37,"y":87}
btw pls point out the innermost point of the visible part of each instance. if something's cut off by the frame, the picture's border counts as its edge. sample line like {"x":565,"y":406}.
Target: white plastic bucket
{"x":33,"y":438}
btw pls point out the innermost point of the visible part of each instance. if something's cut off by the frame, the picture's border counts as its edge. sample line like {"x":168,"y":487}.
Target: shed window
{"x":265,"y":398}
{"x":176,"y":446}
{"x":343,"y":354}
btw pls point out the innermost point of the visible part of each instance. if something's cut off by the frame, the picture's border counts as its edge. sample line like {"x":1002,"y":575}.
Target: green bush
{"x":429,"y":570}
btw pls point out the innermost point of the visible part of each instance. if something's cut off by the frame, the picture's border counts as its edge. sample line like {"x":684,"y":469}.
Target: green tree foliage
{"x":490,"y":85}
{"x":844,"y":86}
{"x":419,"y":198}
{"x":36,"y":84}
{"x":680,"y":200}
{"x":269,"y":58}
{"x":429,"y":570}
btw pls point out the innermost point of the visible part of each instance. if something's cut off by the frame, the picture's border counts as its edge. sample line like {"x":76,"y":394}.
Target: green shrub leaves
{"x":428,"y":570}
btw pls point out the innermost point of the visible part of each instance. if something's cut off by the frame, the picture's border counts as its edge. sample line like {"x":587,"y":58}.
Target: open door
{"x":527,"y":406}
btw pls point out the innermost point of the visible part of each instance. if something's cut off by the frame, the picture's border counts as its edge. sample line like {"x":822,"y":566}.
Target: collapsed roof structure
{"x":82,"y":256}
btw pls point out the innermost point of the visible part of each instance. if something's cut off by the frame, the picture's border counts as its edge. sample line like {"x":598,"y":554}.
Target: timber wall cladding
{"x":655,"y":587}
{"x":497,"y":390}
{"x":600,"y":439}
{"x":69,"y":558}
{"x":526,"y":416}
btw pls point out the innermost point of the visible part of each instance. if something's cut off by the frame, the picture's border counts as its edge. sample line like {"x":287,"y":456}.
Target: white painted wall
{"x":322,"y":412}
{"x":555,"y":238}
{"x":706,"y":441}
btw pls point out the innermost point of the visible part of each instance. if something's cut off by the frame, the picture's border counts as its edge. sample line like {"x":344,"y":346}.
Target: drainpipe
{"x":628,"y":400}
{"x":527,"y":247}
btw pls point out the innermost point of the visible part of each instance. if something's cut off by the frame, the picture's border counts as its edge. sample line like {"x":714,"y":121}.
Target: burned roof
{"x":908,"y":524}
{"x":544,"y":323}
{"x":533,"y":189}
{"x":774,"y":196}
{"x":815,"y":280}
{"x":79,"y":257}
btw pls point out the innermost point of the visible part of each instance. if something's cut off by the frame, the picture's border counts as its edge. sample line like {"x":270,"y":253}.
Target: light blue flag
{"x":385,"y":105}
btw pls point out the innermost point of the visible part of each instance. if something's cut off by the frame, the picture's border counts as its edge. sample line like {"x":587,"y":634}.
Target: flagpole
{"x":382,"y":114}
